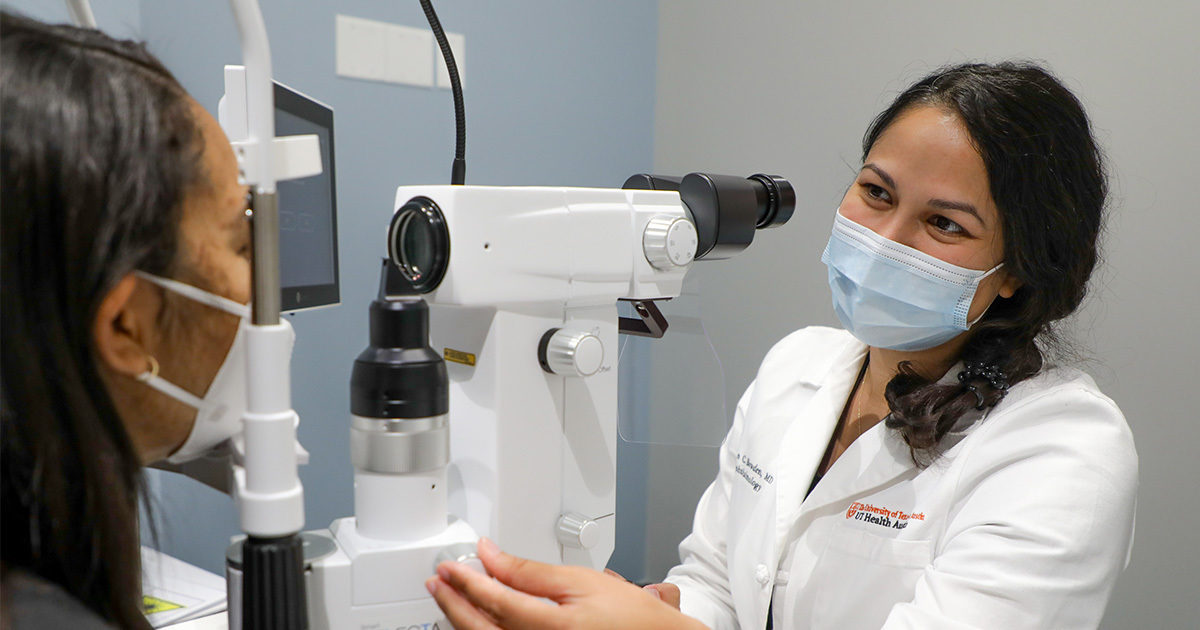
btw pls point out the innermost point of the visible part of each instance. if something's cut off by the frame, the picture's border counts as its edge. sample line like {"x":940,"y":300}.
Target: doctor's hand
{"x":580,"y":597}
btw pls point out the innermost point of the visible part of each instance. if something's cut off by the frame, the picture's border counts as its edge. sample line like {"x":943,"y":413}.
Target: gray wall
{"x":557,"y":93}
{"x":789,"y":87}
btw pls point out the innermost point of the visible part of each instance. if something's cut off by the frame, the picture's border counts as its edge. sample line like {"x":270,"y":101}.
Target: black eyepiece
{"x":776,"y":200}
{"x":726,"y":209}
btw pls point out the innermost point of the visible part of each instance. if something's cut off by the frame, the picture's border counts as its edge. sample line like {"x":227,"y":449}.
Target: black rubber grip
{"x":273,"y":595}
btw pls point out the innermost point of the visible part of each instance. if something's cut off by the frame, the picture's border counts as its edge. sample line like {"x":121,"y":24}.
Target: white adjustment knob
{"x":571,"y":352}
{"x":462,"y":553}
{"x":577,"y":531}
{"x":669,"y":242}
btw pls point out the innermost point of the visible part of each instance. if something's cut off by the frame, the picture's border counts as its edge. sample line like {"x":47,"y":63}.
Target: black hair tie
{"x":990,"y":373}
{"x":979,"y":404}
{"x":979,"y":371}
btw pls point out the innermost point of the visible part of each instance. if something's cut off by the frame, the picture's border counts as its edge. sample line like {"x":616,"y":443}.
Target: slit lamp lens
{"x":419,"y":244}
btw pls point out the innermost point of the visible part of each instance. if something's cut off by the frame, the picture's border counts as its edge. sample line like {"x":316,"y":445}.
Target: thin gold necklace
{"x":856,"y":405}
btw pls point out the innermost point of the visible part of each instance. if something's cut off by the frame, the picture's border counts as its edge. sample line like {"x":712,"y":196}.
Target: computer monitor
{"x":308,"y":244}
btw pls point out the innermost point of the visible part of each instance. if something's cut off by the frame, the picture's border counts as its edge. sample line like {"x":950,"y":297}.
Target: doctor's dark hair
{"x":99,"y":147}
{"x":1047,"y":178}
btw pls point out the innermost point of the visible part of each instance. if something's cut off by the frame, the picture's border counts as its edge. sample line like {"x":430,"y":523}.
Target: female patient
{"x":931,"y":469}
{"x":125,"y":274}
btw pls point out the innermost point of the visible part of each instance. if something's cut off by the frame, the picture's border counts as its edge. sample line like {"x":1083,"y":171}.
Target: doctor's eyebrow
{"x":887,"y":179}
{"x":958,"y":205}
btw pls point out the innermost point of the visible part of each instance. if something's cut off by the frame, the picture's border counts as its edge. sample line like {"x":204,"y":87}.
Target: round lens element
{"x":777,"y":200}
{"x":416,"y":246}
{"x":419,"y":243}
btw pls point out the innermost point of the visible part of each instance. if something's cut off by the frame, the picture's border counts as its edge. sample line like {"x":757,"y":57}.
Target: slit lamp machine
{"x":486,"y":402}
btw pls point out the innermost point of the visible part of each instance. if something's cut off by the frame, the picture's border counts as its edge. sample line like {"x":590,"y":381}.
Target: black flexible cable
{"x":458,"y":172}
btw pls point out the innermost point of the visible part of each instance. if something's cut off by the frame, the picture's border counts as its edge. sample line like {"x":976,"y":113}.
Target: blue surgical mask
{"x":889,"y":295}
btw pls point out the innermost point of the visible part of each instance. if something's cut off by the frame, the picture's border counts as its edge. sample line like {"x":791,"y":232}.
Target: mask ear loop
{"x":197,"y":294}
{"x":971,"y":324}
{"x":992,"y":270}
{"x":150,"y":377}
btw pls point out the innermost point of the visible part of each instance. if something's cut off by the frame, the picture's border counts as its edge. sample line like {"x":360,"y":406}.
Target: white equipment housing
{"x":533,"y":454}
{"x":532,"y":448}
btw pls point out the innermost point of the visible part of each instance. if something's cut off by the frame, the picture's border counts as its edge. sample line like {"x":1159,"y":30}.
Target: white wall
{"x":789,"y":87}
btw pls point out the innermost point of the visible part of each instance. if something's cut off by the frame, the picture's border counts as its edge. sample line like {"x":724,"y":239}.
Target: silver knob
{"x":462,"y":553}
{"x":577,"y":531}
{"x":571,"y":352}
{"x":669,"y":242}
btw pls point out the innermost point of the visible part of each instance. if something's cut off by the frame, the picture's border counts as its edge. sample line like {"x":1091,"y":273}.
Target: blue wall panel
{"x":557,"y":93}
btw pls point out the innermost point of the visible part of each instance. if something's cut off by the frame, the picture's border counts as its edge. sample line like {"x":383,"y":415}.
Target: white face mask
{"x":219,"y":413}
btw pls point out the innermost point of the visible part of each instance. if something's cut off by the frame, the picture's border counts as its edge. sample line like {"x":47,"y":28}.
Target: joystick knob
{"x":577,"y":531}
{"x":570,"y":352}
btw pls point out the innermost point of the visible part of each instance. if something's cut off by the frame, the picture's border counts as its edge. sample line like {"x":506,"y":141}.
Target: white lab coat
{"x":1024,"y":522}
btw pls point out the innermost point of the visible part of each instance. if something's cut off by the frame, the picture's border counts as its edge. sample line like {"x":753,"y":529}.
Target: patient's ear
{"x":121,"y":330}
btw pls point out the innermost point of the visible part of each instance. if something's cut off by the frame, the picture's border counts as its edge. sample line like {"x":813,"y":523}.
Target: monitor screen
{"x":308,"y":248}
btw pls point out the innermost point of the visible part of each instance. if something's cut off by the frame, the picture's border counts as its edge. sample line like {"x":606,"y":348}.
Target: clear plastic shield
{"x":672,"y":390}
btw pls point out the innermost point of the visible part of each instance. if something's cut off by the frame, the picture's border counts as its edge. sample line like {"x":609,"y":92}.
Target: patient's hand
{"x":580,"y":598}
{"x":669,"y":593}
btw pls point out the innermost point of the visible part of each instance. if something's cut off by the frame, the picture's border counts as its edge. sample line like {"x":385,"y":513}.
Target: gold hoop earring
{"x":151,"y":372}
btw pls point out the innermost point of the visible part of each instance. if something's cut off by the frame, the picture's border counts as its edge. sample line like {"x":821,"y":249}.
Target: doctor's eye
{"x":946,"y":225}
{"x":877,"y":192}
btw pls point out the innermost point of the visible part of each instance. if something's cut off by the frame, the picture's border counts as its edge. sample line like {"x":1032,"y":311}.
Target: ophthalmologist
{"x":929,"y":466}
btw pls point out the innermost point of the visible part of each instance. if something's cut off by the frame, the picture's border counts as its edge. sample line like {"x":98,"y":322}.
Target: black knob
{"x":273,"y":584}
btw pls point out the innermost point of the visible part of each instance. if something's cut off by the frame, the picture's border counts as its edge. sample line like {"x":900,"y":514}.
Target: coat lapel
{"x":804,"y":443}
{"x":874,"y":460}
{"x":796,"y":403}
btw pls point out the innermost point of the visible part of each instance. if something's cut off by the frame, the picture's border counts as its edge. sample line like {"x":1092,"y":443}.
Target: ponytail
{"x":924,"y":411}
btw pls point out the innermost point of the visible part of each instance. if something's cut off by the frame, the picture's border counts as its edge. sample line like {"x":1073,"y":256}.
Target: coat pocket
{"x":878,"y":550}
{"x":860,"y":576}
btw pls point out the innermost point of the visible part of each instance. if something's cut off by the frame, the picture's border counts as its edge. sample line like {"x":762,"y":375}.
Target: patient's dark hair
{"x":1047,"y":178}
{"x":99,"y":148}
